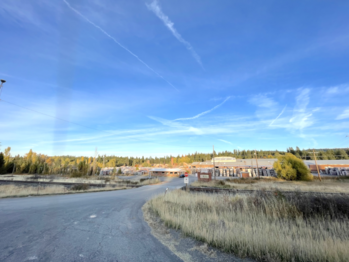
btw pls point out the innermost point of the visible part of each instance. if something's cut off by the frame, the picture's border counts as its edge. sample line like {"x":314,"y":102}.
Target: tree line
{"x":35,"y":163}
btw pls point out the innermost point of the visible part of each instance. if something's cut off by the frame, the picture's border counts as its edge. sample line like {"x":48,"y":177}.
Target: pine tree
{"x":2,"y":163}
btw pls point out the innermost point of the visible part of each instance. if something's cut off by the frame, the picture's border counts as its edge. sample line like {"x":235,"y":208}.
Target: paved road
{"x":103,"y":226}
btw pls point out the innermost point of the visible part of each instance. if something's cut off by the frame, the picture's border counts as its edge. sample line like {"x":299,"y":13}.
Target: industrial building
{"x":170,"y":172}
{"x":329,"y":167}
{"x":230,"y":162}
{"x":231,"y":167}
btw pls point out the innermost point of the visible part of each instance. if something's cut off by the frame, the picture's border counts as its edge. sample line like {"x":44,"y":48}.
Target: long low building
{"x":323,"y":165}
{"x":237,"y":163}
{"x":170,"y":172}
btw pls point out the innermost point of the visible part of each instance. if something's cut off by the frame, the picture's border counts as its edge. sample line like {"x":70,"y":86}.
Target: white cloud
{"x":344,"y":115}
{"x":155,"y":8}
{"x":301,"y":116}
{"x":262,"y":100}
{"x":332,"y":90}
{"x":340,"y":89}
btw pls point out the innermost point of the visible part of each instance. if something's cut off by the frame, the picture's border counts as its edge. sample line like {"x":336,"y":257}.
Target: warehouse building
{"x":230,"y":162}
{"x":225,"y":166}
{"x":329,"y":167}
{"x":169,"y":172}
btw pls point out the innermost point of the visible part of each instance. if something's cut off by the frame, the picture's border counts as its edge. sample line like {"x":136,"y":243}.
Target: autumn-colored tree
{"x":29,"y":155}
{"x":49,"y":161}
{"x":34,"y":158}
{"x":146,"y":164}
{"x":111,"y":163}
{"x":7,"y":154}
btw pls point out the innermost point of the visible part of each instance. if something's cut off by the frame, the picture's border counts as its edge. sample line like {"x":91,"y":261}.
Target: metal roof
{"x":327,"y":162}
{"x":269,"y":162}
{"x":240,"y":162}
{"x":167,"y":169}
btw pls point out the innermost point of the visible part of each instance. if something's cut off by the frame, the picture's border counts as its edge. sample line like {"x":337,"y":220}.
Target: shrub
{"x":290,"y":167}
{"x":80,"y":187}
{"x":220,"y":183}
{"x":76,"y":174}
{"x":242,"y":180}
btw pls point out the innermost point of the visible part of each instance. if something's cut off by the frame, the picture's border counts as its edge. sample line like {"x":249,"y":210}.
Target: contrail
{"x":112,"y":38}
{"x":225,"y":141}
{"x":203,"y":113}
{"x":155,"y":8}
{"x":278,"y":116}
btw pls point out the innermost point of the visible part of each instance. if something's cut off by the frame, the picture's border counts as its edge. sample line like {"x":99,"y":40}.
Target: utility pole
{"x":214,"y":165}
{"x":318,"y":173}
{"x":252,"y":168}
{"x":255,"y":152}
{"x":94,"y":162}
{"x":14,"y":165}
{"x":2,"y":81}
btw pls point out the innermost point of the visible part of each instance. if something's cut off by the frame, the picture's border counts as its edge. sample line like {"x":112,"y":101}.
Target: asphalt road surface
{"x":102,"y":226}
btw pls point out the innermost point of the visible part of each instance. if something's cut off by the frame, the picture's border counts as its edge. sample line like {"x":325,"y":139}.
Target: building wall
{"x":323,"y":167}
{"x":165,"y":173}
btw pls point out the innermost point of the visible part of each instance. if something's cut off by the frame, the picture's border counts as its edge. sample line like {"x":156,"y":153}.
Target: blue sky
{"x":155,"y":78}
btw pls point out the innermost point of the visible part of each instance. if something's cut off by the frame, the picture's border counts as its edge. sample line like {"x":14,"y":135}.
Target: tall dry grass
{"x":272,"y":184}
{"x":17,"y":191}
{"x":267,"y":228}
{"x":150,"y":181}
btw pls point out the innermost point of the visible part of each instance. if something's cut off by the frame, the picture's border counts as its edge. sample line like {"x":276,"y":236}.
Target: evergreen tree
{"x":2,"y":163}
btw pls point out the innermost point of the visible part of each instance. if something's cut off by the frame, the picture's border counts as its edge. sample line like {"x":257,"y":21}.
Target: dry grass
{"x":261,"y":226}
{"x":272,"y":184}
{"x":17,"y":191}
{"x":151,"y":181}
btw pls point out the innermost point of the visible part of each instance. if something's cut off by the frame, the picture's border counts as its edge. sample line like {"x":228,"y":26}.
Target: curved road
{"x":102,"y":226}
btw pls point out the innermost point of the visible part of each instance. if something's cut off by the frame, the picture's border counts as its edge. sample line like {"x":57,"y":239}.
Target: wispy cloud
{"x":337,"y":89}
{"x":344,"y":115}
{"x":272,"y":122}
{"x":261,"y":100}
{"x":301,"y":116}
{"x":155,"y":8}
{"x":225,"y":141}
{"x":203,"y":113}
{"x":112,"y":38}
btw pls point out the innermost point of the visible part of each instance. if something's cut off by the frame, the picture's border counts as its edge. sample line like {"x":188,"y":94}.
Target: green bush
{"x":290,"y":167}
